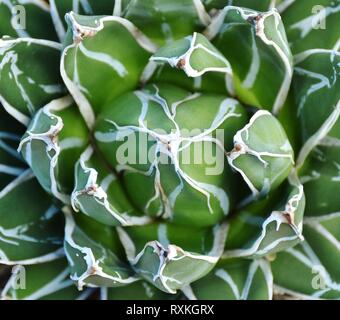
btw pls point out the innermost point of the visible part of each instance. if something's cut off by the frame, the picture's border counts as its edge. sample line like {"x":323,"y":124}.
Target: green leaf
{"x":256,"y":47}
{"x":164,"y":20}
{"x":89,"y":7}
{"x":268,"y":226}
{"x":46,"y":281}
{"x":211,"y":82}
{"x":310,"y":270}
{"x":26,"y":19}
{"x":321,"y":176}
{"x":98,"y":193}
{"x":173,"y":165}
{"x":30,"y":229}
{"x":169,"y":256}
{"x":53,"y":143}
{"x":237,"y":279}
{"x":205,"y":68}
{"x":98,"y":66}
{"x":90,"y":252}
{"x":23,"y":89}
{"x":312,"y":24}
{"x":262,"y":154}
{"x":317,"y":79}
{"x":195,"y":55}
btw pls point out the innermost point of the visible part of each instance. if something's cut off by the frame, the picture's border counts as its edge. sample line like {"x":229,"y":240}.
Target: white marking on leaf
{"x":171,"y":252}
{"x":279,"y":217}
{"x":93,"y":267}
{"x":171,"y":145}
{"x":242,"y":148}
{"x":102,"y":57}
{"x":318,"y":136}
{"x":183,"y":61}
{"x":225,"y":276}
{"x":57,"y":21}
{"x":254,"y":69}
{"x":49,"y":138}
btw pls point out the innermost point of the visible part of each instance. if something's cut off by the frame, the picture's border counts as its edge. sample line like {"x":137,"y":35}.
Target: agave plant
{"x":159,"y":149}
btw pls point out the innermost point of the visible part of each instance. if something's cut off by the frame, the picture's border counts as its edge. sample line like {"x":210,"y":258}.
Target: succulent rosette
{"x":170,"y":149}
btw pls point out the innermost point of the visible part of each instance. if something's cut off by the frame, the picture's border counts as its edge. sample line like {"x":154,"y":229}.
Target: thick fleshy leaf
{"x":195,"y":55}
{"x":31,"y":229}
{"x":170,"y":256}
{"x":321,"y":177}
{"x":205,"y":68}
{"x":26,"y":19}
{"x":259,"y":38}
{"x":46,"y":281}
{"x":140,"y":290}
{"x":23,"y":89}
{"x":11,"y":164}
{"x":98,"y":193}
{"x":91,"y":250}
{"x":173,"y":165}
{"x":262,"y":154}
{"x":211,"y":82}
{"x":165,"y":21}
{"x":106,"y":58}
{"x":311,"y":270}
{"x":237,"y":279}
{"x":268,"y":226}
{"x":316,"y":79}
{"x":52,"y":145}
{"x":89,"y":7}
{"x":311,"y":24}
